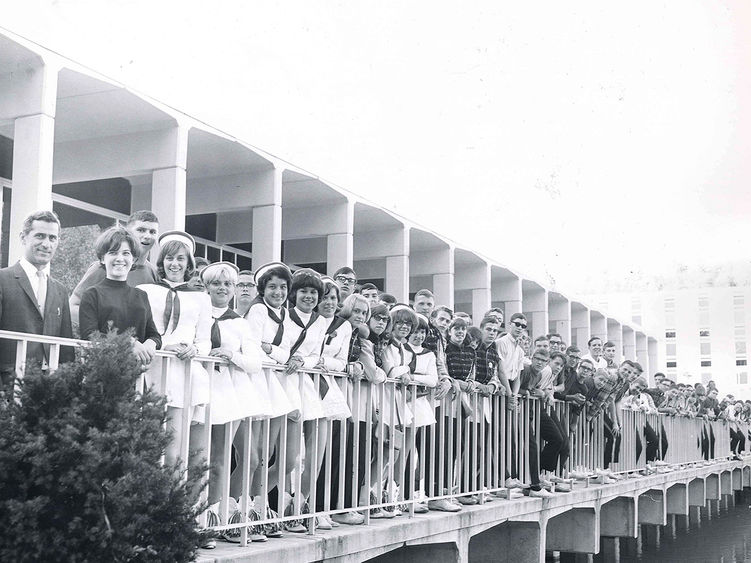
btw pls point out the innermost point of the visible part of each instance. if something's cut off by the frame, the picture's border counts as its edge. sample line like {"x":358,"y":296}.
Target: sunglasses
{"x":518,"y":324}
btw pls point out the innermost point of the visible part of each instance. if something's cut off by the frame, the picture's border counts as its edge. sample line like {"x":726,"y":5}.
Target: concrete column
{"x":267,"y":220}
{"x":580,"y":326}
{"x":712,"y":486}
{"x":642,"y":355}
{"x":598,"y":327}
{"x":32,"y":100}
{"x":559,"y":310}
{"x":653,"y":354}
{"x":169,"y":184}
{"x":619,"y":518}
{"x":507,"y":290}
{"x":397,"y":277}
{"x":726,"y":483}
{"x":615,"y":334}
{"x":652,"y":509}
{"x":629,"y":343}
{"x":697,"y":493}
{"x":535,"y":306}
{"x":677,"y":501}
{"x":481,"y":303}
{"x":737,"y":479}
{"x":340,"y":244}
{"x":437,"y":263}
{"x":575,"y":531}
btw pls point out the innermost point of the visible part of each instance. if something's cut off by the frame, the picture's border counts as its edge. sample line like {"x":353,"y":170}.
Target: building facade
{"x":89,"y":148}
{"x":702,"y":332}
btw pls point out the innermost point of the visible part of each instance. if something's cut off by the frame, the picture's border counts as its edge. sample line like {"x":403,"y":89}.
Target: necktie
{"x":216,"y":336}
{"x":41,"y":290}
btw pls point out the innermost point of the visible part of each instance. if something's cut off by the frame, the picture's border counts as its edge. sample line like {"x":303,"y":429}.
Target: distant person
{"x":346,"y":279}
{"x":245,"y":292}
{"x":370,"y":292}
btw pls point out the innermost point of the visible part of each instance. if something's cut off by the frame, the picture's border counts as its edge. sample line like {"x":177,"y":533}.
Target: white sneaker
{"x":542,"y":493}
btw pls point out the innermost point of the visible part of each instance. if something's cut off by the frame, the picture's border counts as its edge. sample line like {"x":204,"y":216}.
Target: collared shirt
{"x":640,"y":402}
{"x":31,"y":273}
{"x":529,"y":380}
{"x":598,"y":398}
{"x":599,"y":364}
{"x":435,"y":343}
{"x":511,"y":356}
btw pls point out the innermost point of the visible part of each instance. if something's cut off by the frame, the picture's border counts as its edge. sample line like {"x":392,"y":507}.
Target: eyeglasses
{"x":245,"y":285}
{"x":380,"y":318}
{"x":345,"y":280}
{"x":402,"y":323}
{"x":518,"y":324}
{"x":585,"y":369}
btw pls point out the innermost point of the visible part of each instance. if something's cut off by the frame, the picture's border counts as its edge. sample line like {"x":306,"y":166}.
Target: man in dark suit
{"x":30,"y":300}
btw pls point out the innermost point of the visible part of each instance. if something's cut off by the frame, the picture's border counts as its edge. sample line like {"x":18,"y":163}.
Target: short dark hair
{"x":305,"y":277}
{"x":474,"y":332}
{"x":202,"y":262}
{"x":458,"y":322}
{"x":387,"y":298}
{"x":424,"y":293}
{"x":44,"y":215}
{"x":609,"y":344}
{"x":368,"y":286}
{"x":344,"y":271}
{"x":541,"y":338}
{"x":277,"y":271}
{"x":638,"y":367}
{"x":552,"y":334}
{"x":589,"y":342}
{"x":441,"y":308}
{"x":560,"y":355}
{"x":112,"y":239}
{"x":142,"y":215}
{"x":488,"y":320}
{"x":572,"y":349}
{"x":517,"y":316}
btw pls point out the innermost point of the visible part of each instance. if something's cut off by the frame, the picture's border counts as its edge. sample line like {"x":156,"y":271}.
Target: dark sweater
{"x":124,"y":306}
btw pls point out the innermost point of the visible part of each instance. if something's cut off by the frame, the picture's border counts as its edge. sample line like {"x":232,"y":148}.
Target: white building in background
{"x":94,"y":151}
{"x":702,"y":332}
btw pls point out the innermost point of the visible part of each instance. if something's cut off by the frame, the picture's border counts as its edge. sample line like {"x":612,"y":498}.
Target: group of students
{"x":334,"y":361}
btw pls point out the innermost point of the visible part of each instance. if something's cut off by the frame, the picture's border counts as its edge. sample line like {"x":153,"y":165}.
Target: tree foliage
{"x":80,"y":459}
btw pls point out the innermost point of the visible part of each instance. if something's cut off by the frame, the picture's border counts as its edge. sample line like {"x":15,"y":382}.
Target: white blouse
{"x":310,"y":349}
{"x":264,"y":329}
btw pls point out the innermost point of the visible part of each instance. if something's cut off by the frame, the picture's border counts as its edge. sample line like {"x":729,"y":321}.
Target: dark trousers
{"x":557,"y":446}
{"x":737,"y":441}
{"x":349,"y":464}
{"x":612,"y":442}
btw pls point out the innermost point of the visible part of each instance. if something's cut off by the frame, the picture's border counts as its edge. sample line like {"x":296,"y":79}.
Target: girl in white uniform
{"x":239,"y":389}
{"x":183,"y":318}
{"x":424,"y":373}
{"x":266,"y":321}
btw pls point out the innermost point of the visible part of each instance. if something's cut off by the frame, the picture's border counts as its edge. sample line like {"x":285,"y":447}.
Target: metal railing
{"x":400,"y":434}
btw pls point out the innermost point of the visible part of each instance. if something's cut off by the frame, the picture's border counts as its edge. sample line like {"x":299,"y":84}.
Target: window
{"x":669,"y":334}
{"x":740,"y":348}
{"x":670,"y":349}
{"x":672,"y":364}
{"x":705,"y":348}
{"x":670,"y":311}
{"x":706,"y":363}
{"x":743,"y":378}
{"x":740,"y":362}
{"x":704,"y":333}
{"x":739,"y":316}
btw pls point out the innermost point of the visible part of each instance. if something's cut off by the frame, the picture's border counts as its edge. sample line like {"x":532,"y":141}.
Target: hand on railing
{"x":183,"y":350}
{"x":293,"y":364}
{"x":144,"y":351}
{"x":222,"y":353}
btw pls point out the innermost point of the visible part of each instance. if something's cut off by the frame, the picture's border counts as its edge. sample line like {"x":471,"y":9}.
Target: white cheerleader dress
{"x":422,"y":364}
{"x":304,"y":336}
{"x":266,"y":324}
{"x":240,"y":389}
{"x":182,"y":316}
{"x":335,"y":356}
{"x":395,"y":363}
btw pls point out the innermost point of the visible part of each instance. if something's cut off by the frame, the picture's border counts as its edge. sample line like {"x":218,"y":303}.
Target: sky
{"x":568,"y":141}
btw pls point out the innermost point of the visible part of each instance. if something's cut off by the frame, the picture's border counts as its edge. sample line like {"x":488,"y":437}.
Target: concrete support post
{"x":33,"y":142}
{"x":677,"y":501}
{"x":267,"y":220}
{"x":575,"y":531}
{"x":615,"y":334}
{"x":481,"y":303}
{"x":535,"y":306}
{"x":652,"y":509}
{"x":397,"y":277}
{"x":559,"y":310}
{"x":619,"y":518}
{"x":747,"y":476}
{"x":737,"y":479}
{"x":598,"y":327}
{"x":507,"y":291}
{"x":510,"y":542}
{"x":629,"y":344}
{"x":340,"y":244}
{"x":443,"y":289}
{"x":168,"y":191}
{"x":712,"y":484}
{"x":697,"y":493}
{"x":580,"y":326}
{"x":726,"y":483}
{"x":654,"y":358}
{"x":642,"y":355}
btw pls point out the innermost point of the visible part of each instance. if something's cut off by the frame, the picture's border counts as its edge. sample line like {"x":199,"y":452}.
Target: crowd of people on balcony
{"x":308,"y":357}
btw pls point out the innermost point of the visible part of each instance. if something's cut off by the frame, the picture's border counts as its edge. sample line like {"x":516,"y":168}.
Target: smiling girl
{"x":112,"y":303}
